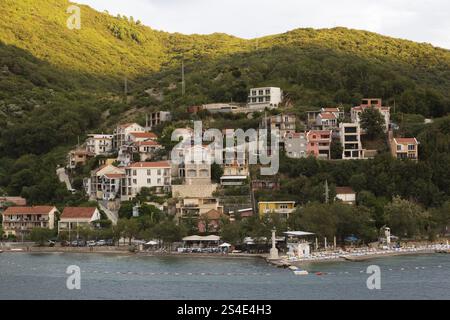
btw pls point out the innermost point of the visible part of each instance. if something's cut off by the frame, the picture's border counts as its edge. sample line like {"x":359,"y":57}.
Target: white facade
{"x":295,"y":145}
{"x":145,"y":175}
{"x":122,"y":133}
{"x":100,"y":144}
{"x":267,"y":97}
{"x":350,"y":134}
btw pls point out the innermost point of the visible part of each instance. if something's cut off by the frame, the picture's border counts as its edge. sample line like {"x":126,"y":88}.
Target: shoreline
{"x":280,"y":263}
{"x":124,"y":252}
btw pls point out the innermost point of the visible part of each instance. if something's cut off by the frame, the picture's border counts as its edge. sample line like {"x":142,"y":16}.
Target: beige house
{"x":80,"y":157}
{"x":20,"y":221}
{"x":74,"y":218}
{"x":405,"y":148}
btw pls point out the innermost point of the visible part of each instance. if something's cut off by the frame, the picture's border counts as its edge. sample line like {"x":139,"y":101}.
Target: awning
{"x":199,"y":238}
{"x":225,"y":245}
{"x":298,"y":233}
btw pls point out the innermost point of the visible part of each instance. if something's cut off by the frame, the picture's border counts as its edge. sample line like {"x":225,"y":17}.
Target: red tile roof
{"x":159,"y":164}
{"x":406,"y":140}
{"x":78,"y":212}
{"x":331,"y":110}
{"x":18,"y":201}
{"x":147,"y":143}
{"x":344,"y":190}
{"x":144,"y":135}
{"x":28,"y":210}
{"x":327,"y":115}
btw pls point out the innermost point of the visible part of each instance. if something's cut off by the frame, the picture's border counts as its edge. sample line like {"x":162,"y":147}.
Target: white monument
{"x":274,"y":250}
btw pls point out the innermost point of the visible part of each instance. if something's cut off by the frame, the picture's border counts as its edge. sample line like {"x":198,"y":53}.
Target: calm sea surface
{"x":43,"y":276}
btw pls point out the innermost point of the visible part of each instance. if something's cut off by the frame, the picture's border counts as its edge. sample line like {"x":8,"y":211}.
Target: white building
{"x":295,"y":145}
{"x":122,"y":133}
{"x":145,"y":175}
{"x":100,"y":144}
{"x":74,"y":219}
{"x":350,"y":134}
{"x":346,"y":195}
{"x":267,"y":97}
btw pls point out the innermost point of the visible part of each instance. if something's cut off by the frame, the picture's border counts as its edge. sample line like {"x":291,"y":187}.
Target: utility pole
{"x":327,"y":192}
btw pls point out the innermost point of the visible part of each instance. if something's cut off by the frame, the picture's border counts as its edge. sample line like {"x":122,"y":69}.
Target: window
{"x":411,"y":147}
{"x":159,"y":172}
{"x":149,"y":181}
{"x":159,"y":180}
{"x":399,"y":148}
{"x":267,"y":91}
{"x":149,"y":172}
{"x":134,"y":172}
{"x":261,"y":92}
{"x":134,"y":181}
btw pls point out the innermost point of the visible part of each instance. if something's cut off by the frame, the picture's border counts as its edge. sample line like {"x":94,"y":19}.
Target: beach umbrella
{"x":225,"y":245}
{"x":151,"y":243}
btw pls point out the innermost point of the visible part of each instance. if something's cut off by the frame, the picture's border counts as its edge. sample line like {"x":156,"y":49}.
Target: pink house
{"x":319,"y":143}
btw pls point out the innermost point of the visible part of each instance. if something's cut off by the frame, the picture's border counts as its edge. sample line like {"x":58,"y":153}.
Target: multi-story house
{"x":285,"y":123}
{"x":156,"y":118}
{"x":372,"y":103}
{"x":79,"y":157}
{"x":282,"y":208}
{"x":268,"y":97}
{"x":122,"y":132}
{"x":405,"y":148}
{"x":325,"y":118}
{"x":145,"y":175}
{"x":105,"y":182}
{"x":295,"y":145}
{"x":235,"y":173}
{"x":350,"y":134}
{"x":319,"y":143}
{"x":147,"y":149}
{"x":100,"y":144}
{"x":196,"y":207}
{"x":327,"y":121}
{"x":74,"y":219}
{"x":19,"y":221}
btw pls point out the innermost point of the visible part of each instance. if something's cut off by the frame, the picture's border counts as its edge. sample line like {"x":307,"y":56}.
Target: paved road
{"x":113,"y":216}
{"x":63,"y":177}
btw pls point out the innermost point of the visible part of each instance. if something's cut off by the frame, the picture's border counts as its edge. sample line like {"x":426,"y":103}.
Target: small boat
{"x":298,"y":272}
{"x":301,"y":272}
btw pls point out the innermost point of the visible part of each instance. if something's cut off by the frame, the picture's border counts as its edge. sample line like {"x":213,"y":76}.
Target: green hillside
{"x":57,"y":84}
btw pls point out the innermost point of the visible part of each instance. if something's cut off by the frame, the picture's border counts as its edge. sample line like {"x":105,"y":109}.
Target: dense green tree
{"x":41,"y":235}
{"x":405,"y":218}
{"x":372,"y":121}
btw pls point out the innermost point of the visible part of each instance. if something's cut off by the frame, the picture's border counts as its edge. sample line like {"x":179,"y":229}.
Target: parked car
{"x":91,"y":243}
{"x":51,"y":243}
{"x":110,"y":243}
{"x":101,"y":243}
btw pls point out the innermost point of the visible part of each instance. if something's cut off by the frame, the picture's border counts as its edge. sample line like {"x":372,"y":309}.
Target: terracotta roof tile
{"x":78,"y":212}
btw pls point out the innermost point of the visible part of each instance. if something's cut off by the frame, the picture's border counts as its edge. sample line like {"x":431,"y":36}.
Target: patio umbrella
{"x":152,"y":243}
{"x":225,"y":245}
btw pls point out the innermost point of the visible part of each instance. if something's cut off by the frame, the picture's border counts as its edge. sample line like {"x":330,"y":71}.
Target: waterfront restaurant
{"x":201,"y":242}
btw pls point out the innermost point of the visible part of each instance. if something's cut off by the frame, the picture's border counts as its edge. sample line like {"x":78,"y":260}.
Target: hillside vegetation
{"x":57,"y":84}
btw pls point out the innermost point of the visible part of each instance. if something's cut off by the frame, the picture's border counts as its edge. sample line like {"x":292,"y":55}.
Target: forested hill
{"x":57,"y":84}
